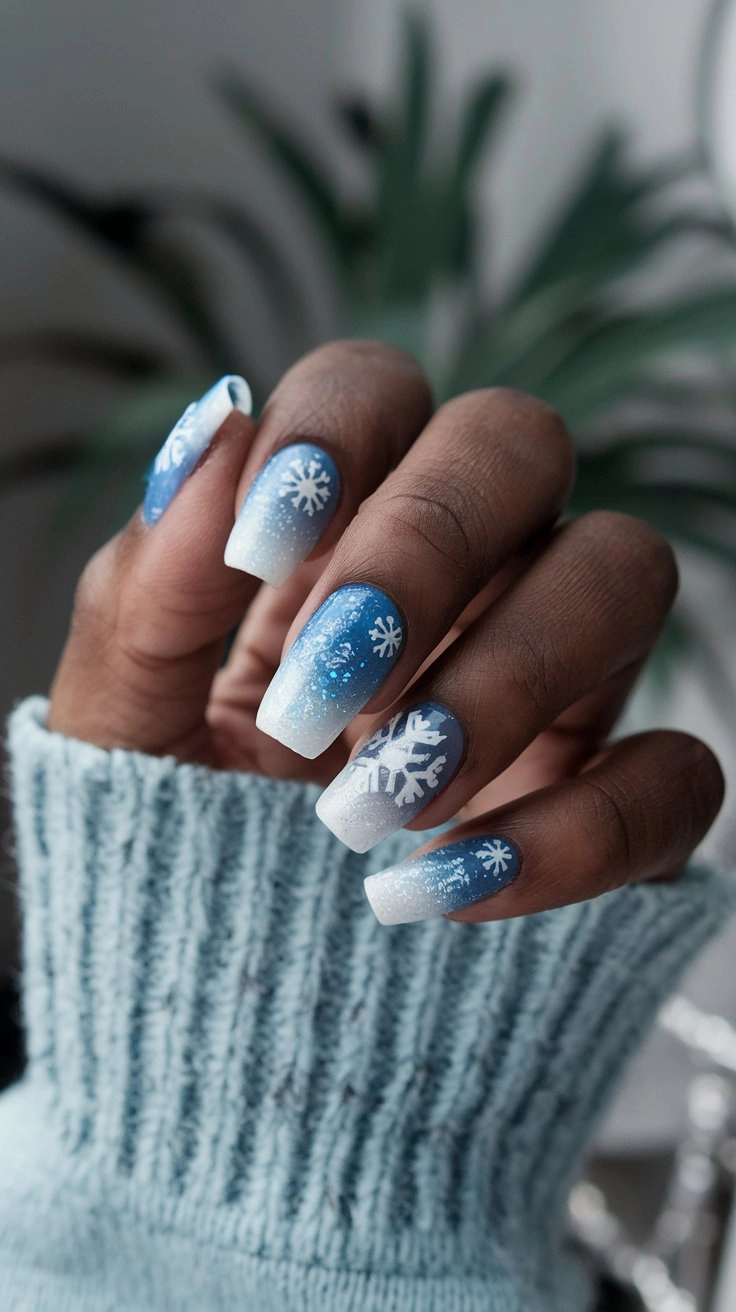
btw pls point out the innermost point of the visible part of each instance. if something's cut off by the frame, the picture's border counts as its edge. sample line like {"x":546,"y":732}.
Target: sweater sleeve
{"x":245,"y":1093}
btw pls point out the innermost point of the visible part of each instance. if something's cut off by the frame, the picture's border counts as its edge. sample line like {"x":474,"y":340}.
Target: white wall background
{"x":116,"y":94}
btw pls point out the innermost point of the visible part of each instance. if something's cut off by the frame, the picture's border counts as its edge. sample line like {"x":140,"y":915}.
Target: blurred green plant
{"x":575,"y":327}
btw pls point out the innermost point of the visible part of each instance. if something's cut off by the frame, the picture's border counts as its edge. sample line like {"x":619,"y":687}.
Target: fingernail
{"x":444,"y":880}
{"x":189,"y":439}
{"x":341,"y":657}
{"x":285,"y":513}
{"x":394,"y":776}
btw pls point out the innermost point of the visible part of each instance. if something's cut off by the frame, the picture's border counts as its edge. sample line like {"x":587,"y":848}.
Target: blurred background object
{"x":529,"y":195}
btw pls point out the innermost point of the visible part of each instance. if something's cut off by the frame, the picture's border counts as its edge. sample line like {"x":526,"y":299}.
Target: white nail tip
{"x":396,"y":900}
{"x":247,"y":557}
{"x":270,"y":722}
{"x":331,"y":811}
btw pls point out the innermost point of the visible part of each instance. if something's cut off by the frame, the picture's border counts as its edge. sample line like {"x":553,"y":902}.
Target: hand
{"x":477,"y":650}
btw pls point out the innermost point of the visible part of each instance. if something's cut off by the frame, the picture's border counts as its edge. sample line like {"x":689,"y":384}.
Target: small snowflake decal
{"x":307,"y":484}
{"x":407,"y":772}
{"x":495,"y":855}
{"x":386,"y":635}
{"x":175,"y":449}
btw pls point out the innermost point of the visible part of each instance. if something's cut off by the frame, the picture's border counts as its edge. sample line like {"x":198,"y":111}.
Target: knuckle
{"x":445,"y":517}
{"x":533,"y":670}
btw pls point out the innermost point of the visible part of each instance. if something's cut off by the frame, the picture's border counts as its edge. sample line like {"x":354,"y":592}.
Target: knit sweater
{"x":245,"y":1093}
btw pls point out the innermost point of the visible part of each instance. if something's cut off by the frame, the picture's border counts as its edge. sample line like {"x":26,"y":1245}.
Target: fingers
{"x":489,"y":472}
{"x":335,"y":425}
{"x":588,"y":608}
{"x":155,"y":603}
{"x":636,"y":814}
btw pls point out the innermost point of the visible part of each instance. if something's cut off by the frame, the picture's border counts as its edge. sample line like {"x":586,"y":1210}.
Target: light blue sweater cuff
{"x":245,"y":1092}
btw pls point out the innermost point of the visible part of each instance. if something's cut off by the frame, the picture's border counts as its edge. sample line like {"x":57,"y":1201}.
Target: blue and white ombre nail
{"x":396,"y":773}
{"x":285,"y":513}
{"x":340,"y":658}
{"x":189,"y":439}
{"x":445,"y":880}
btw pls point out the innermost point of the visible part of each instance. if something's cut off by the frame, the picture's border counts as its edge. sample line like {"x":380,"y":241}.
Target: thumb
{"x":155,"y":604}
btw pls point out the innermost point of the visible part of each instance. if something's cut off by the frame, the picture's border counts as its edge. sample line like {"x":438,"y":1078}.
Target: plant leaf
{"x":124,"y":227}
{"x":292,"y":155}
{"x":618,"y":456}
{"x":453,"y":218}
{"x":713,"y":668}
{"x":42,"y":460}
{"x":263,"y":254}
{"x":362,"y":124}
{"x":120,"y":224}
{"x":601,"y":226}
{"x":406,"y":239}
{"x":606,"y":367}
{"x":86,"y":349}
{"x":481,"y":116}
{"x":674,"y":645}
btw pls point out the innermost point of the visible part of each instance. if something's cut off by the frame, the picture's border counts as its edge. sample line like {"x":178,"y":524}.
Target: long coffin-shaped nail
{"x":285,"y":513}
{"x":394,"y":776}
{"x":443,"y":880}
{"x":189,"y":439}
{"x":340,"y":658}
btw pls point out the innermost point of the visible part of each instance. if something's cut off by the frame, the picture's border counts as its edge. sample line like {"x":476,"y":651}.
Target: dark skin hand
{"x":532,"y":629}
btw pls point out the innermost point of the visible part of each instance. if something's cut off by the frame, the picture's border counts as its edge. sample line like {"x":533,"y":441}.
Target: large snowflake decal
{"x":307,"y":484}
{"x":495,"y":855}
{"x":386,"y":635}
{"x":391,"y":763}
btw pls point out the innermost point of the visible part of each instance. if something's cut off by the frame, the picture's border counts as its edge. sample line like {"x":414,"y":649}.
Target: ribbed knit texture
{"x":245,"y":1093}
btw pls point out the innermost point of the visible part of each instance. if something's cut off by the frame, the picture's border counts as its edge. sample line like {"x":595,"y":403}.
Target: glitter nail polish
{"x":335,"y":665}
{"x":444,"y":880}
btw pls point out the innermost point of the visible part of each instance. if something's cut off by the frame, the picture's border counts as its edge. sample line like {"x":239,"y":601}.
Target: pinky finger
{"x":635,"y":813}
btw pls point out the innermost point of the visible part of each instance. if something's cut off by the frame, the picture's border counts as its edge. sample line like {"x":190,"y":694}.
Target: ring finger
{"x":582,"y":617}
{"x":635,"y":814}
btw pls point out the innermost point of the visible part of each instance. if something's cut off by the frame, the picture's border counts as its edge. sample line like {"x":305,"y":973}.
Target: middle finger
{"x":489,"y":472}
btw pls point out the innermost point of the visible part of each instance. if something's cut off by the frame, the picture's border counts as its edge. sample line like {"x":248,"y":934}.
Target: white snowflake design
{"x":337,"y":660}
{"x":495,"y":855}
{"x":175,"y":449}
{"x":409,"y":773}
{"x":457,"y":877}
{"x":386,"y":635}
{"x":307,"y":483}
